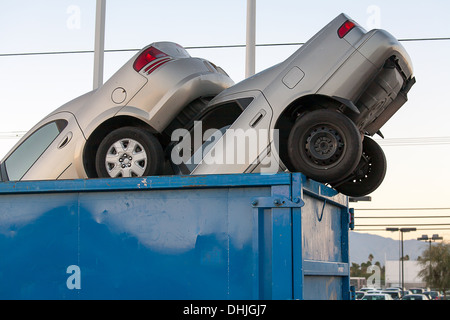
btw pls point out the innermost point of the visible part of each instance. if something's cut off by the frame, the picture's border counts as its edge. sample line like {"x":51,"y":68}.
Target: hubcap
{"x":126,"y":158}
{"x":324,"y":146}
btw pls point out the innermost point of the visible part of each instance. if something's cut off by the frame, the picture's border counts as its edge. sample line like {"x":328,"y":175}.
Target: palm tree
{"x":435,"y":264}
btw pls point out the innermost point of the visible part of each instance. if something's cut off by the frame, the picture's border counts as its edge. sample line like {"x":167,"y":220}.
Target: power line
{"x":135,"y":50}
{"x":398,"y":209}
{"x":61,"y":52}
{"x":12,"y":134}
{"x":384,"y":230}
{"x":402,"y":224}
{"x":424,"y":39}
{"x":402,"y":217}
{"x":199,"y":47}
{"x":414,"y":141}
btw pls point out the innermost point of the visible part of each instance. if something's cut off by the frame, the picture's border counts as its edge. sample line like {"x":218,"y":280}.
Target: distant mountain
{"x":382,"y":249}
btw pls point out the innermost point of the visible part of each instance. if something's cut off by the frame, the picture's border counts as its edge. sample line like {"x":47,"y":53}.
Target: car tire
{"x":369,"y":174}
{"x":129,"y":152}
{"x":324,"y":145}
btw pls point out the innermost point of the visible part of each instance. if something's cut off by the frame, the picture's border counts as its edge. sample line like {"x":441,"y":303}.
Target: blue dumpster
{"x":240,"y":236}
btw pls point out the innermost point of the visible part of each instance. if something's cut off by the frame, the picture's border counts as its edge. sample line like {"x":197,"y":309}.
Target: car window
{"x":412,"y":297}
{"x":21,"y":160}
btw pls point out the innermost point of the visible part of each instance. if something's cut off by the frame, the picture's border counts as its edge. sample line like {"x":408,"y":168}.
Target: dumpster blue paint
{"x":243,"y":236}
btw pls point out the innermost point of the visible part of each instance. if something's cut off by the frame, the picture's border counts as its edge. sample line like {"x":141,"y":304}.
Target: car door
{"x":47,"y":151}
{"x":244,"y":143}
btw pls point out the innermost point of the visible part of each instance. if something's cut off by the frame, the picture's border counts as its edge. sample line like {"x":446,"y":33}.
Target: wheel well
{"x":295,"y":109}
{"x":90,"y":149}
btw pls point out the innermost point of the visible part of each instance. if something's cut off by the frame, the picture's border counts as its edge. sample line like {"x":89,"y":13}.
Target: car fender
{"x":95,"y":122}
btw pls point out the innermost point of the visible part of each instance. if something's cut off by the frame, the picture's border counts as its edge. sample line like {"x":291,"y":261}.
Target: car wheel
{"x":324,"y":145}
{"x":129,"y":152}
{"x":369,"y":174}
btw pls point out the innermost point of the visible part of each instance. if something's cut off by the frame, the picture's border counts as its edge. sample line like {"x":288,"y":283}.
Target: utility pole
{"x":250,"y":39}
{"x":434,"y":237}
{"x":99,"y":47}
{"x":402,"y":230}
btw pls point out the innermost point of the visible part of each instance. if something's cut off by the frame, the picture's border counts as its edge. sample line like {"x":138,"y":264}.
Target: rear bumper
{"x":387,"y":90}
{"x":379,"y":45}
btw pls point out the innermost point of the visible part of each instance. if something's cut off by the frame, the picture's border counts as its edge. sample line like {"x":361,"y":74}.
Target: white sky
{"x":33,"y":86}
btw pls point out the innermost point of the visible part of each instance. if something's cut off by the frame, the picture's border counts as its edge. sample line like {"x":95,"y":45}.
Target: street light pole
{"x":402,"y":230}
{"x":425,"y":238}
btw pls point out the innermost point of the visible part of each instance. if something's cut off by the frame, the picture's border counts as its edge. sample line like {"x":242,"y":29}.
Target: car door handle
{"x":65,"y":141}
{"x":256,"y":119}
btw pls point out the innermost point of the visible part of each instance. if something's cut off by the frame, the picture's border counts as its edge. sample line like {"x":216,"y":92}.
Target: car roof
{"x":385,"y":295}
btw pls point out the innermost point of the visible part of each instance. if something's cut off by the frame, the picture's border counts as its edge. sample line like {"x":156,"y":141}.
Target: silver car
{"x":122,"y":128}
{"x":377,"y":296}
{"x":314,"y":112}
{"x":416,"y":296}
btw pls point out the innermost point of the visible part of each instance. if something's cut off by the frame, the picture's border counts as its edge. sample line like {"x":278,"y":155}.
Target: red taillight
{"x":146,"y":57}
{"x":345,"y":28}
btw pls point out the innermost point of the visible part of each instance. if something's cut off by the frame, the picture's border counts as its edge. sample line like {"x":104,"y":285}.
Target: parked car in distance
{"x":417,"y":290}
{"x":323,"y":104}
{"x":395,"y":294}
{"x":366,"y":289}
{"x":396,"y":289}
{"x":433,"y":295}
{"x":415,"y":296}
{"x":374,"y":291}
{"x":376,"y":296}
{"x":122,"y":128}
{"x":405,"y":292}
{"x":359,"y":295}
